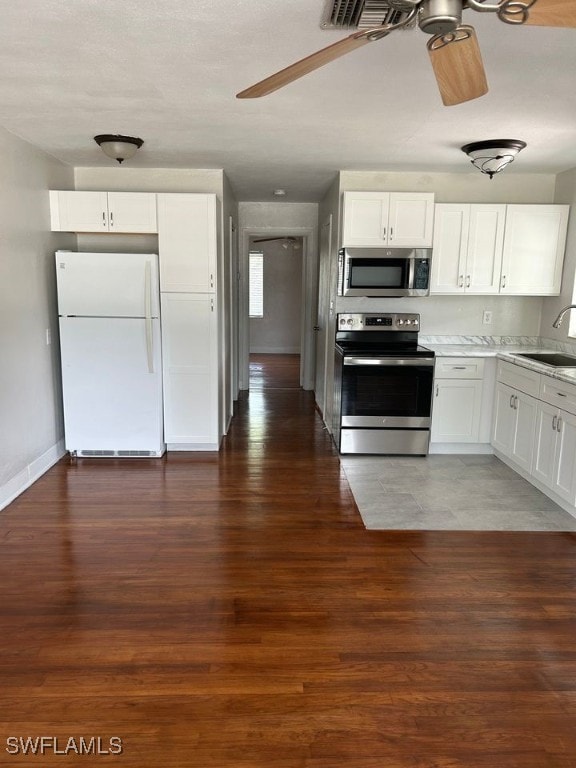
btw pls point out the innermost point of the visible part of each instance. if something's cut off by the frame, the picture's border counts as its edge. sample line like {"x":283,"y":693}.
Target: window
{"x":256,"y":284}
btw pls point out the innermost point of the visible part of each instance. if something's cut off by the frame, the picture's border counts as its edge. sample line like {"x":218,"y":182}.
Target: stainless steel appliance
{"x":383,"y":382}
{"x":384,"y":271}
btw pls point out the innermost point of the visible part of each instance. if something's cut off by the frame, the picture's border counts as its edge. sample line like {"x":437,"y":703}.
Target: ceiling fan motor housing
{"x":438,"y":17}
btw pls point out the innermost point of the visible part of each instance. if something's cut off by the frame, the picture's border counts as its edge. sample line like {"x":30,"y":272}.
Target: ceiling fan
{"x":453,"y":47}
{"x":288,"y":240}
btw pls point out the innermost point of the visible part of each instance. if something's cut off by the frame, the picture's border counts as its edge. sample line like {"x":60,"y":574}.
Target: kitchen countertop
{"x":505,"y":352}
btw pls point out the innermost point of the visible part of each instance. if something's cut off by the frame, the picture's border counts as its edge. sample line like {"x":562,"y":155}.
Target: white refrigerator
{"x":110,"y":343}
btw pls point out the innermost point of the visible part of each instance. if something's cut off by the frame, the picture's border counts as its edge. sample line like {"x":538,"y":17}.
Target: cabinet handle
{"x":559,"y":424}
{"x":103,"y":218}
{"x":458,"y":367}
{"x":467,"y":281}
{"x":211,"y":281}
{"x":211,"y":305}
{"x":384,"y":233}
{"x":515,"y":403}
{"x":391,"y":233}
{"x":460,"y":281}
{"x":111,"y":218}
{"x":561,"y":394}
{"x":436,"y":390}
{"x":554,"y":420}
{"x":511,"y":401}
{"x":503,"y":281}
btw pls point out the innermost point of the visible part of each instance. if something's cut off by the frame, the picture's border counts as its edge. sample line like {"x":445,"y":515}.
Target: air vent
{"x":96,"y":453}
{"x":118,"y":454}
{"x":363,"y":14}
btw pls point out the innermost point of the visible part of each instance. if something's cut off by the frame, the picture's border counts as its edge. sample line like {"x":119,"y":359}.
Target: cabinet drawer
{"x":558,"y":393}
{"x":459,"y":368}
{"x":519,"y":378}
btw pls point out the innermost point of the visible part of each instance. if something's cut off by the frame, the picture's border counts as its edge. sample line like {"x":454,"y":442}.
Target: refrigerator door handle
{"x":148,"y":316}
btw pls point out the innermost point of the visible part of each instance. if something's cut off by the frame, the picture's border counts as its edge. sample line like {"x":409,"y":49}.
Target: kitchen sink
{"x":555,"y":359}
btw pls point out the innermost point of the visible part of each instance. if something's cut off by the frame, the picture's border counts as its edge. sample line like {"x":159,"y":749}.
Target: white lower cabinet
{"x":555,"y":451}
{"x":514,"y":424}
{"x":190,"y":365}
{"x":535,"y":434}
{"x":457,"y":406}
{"x":462,"y":405}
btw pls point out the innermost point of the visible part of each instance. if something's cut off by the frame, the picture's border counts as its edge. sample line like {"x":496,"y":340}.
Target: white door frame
{"x":309,"y":300}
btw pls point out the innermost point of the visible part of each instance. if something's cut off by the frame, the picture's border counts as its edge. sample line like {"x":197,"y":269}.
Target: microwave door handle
{"x":411,"y":271}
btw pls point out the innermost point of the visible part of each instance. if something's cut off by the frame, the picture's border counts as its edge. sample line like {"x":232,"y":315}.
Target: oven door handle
{"x":389,"y":361}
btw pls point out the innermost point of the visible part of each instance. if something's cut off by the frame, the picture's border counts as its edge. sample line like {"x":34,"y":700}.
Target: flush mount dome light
{"x":118,"y":147}
{"x":493,"y":156}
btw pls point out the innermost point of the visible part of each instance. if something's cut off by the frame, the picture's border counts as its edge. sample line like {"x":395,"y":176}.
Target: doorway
{"x":289,"y":284}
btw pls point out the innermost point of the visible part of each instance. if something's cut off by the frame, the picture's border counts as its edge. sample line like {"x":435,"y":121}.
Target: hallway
{"x":230,"y":611}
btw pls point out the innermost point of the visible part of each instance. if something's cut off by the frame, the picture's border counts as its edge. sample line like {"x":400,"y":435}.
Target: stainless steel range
{"x":383,"y":382}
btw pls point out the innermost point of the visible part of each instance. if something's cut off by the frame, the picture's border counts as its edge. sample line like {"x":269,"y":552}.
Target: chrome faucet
{"x":558,"y":321}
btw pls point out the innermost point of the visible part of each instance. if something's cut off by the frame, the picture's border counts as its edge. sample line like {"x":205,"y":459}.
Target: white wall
{"x":31,"y":422}
{"x":474,"y":187}
{"x":278,"y":331}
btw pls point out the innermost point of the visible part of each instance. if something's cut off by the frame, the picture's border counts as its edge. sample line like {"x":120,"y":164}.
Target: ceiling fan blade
{"x":457,"y":64}
{"x":312,"y":62}
{"x":552,"y":13}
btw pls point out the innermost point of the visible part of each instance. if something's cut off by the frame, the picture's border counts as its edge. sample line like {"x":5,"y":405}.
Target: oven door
{"x":386,"y":392}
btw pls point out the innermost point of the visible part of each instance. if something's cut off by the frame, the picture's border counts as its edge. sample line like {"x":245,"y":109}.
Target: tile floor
{"x":472,"y":493}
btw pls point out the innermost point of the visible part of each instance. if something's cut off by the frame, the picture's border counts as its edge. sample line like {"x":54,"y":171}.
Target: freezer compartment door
{"x":107,"y":284}
{"x":112,"y":384}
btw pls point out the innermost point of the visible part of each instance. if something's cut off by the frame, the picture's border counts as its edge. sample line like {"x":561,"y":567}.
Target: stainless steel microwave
{"x":384,"y":271}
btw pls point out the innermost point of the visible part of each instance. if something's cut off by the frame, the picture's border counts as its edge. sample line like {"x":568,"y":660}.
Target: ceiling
{"x":168,"y":72}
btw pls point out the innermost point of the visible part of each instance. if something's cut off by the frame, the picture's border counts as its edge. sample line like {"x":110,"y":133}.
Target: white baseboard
{"x":275,"y":350}
{"x":24,"y":479}
{"x":193,"y":447}
{"x":464,"y":448}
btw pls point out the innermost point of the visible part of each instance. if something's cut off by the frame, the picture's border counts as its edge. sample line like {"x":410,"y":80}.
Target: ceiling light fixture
{"x":493,"y":156}
{"x":118,"y":147}
{"x":279,"y":193}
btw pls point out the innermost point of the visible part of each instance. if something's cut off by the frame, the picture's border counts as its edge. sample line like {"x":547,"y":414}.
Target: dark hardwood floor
{"x":230,"y":611}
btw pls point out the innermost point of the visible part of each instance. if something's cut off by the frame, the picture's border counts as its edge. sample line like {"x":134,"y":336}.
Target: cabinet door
{"x":522,"y":447}
{"x":189,"y":351}
{"x":451,"y":222}
{"x":545,"y":443}
{"x":365,"y":216}
{"x":534,"y":240}
{"x":565,"y":460}
{"x":72,"y":211}
{"x":504,"y":419}
{"x":456,"y":411}
{"x":132,"y":212}
{"x":484,"y":253}
{"x":187,"y":242}
{"x":411,"y":220}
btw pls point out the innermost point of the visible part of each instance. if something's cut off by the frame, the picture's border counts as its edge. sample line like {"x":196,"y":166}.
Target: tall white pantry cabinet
{"x":188,"y":247}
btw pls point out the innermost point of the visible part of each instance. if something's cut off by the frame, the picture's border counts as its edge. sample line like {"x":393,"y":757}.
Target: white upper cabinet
{"x":467,"y":250}
{"x":187,"y":242}
{"x":122,"y":212}
{"x":396,"y":219}
{"x":534,"y":249}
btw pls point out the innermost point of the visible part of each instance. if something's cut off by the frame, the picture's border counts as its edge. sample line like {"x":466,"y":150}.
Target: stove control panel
{"x":393,"y":321}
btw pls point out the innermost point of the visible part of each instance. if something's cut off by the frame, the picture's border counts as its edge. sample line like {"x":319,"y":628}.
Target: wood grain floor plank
{"x":229,"y":610}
